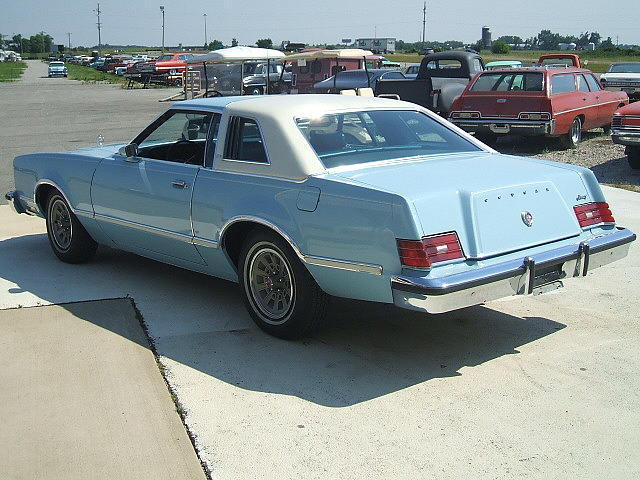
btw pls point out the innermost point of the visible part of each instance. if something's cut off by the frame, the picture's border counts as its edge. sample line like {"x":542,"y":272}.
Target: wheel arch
{"x":234,"y":232}
{"x":43,"y":189}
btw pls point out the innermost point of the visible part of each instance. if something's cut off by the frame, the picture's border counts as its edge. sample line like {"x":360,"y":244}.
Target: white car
{"x":624,"y":76}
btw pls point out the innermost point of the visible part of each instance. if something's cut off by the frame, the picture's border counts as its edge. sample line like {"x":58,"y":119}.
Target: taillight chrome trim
{"x":424,"y":253}
{"x":594,"y":213}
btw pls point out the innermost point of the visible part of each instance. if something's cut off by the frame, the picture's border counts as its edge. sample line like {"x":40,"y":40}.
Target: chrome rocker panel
{"x":532,"y":275}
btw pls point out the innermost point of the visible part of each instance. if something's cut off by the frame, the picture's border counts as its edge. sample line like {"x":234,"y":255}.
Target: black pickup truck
{"x":441,"y":78}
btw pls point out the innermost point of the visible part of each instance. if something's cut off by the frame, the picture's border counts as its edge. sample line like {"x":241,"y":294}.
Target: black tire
{"x":607,"y":129}
{"x":573,"y":137}
{"x":299,"y":304}
{"x":633,"y":156}
{"x":68,"y":239}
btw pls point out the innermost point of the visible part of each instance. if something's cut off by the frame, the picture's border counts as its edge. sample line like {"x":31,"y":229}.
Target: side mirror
{"x":129,"y":151}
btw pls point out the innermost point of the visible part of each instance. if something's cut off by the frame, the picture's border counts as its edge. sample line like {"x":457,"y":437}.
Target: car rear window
{"x":509,"y":81}
{"x":625,"y":68}
{"x":370,"y":136}
{"x":563,"y":83}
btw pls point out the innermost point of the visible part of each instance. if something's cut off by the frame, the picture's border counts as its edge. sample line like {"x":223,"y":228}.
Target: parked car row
{"x":9,"y":56}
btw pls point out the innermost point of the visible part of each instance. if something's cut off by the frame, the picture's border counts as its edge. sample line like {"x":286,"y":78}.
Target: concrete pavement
{"x":543,"y":387}
{"x":82,"y":398}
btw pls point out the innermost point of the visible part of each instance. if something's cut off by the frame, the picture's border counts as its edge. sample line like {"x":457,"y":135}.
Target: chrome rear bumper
{"x":531,"y":275}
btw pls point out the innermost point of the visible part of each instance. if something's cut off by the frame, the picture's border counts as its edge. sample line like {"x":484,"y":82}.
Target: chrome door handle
{"x":179,"y":184}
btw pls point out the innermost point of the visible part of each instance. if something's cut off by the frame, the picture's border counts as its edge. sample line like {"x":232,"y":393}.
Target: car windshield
{"x":512,"y":81}
{"x":370,"y":136}
{"x":625,"y":68}
{"x":164,"y":58}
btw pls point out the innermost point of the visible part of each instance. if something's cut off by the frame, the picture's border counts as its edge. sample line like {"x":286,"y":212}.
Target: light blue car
{"x":301,"y":197}
{"x":57,"y":69}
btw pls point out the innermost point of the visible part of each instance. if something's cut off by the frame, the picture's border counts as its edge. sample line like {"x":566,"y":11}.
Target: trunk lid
{"x":484,"y":197}
{"x":501,"y":105}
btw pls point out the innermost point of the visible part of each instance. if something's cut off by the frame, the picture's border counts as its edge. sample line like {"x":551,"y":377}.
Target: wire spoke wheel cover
{"x":61,"y":225}
{"x":271,"y":283}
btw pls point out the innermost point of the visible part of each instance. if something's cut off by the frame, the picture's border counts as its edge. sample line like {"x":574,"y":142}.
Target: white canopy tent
{"x":237,"y":54}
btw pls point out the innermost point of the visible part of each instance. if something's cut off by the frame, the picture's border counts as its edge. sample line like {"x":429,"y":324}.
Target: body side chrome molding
{"x":145,"y":228}
{"x":585,"y":107}
{"x":309,"y":259}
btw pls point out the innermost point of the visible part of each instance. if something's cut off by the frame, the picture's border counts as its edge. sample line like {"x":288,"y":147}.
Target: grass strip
{"x":11,"y":71}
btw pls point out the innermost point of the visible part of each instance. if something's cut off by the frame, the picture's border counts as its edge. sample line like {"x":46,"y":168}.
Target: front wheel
{"x":68,"y":239}
{"x":281,"y":296}
{"x":633,"y":156}
{"x":574,"y":136}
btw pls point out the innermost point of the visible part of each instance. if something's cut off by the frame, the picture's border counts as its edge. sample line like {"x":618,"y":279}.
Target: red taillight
{"x":593,"y":213}
{"x":429,"y":250}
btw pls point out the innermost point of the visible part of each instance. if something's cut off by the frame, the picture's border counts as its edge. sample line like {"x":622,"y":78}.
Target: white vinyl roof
{"x":237,"y":54}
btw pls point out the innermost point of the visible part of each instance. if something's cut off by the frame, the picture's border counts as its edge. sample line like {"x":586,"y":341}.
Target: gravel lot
{"x":597,"y":152}
{"x":41,"y":114}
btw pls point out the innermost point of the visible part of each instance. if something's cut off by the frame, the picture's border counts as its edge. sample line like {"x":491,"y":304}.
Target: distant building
{"x":377,"y":45}
{"x":486,"y":37}
{"x":567,"y":46}
{"x":591,"y":46}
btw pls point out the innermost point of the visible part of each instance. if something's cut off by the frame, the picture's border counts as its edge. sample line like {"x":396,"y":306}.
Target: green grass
{"x":10,"y":71}
{"x":91,"y":75}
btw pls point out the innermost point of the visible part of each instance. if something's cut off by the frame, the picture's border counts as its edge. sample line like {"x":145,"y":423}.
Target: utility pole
{"x":98,"y":12}
{"x":205,"y":29}
{"x":69,"y":35}
{"x":162,"y":10}
{"x":424,"y":21}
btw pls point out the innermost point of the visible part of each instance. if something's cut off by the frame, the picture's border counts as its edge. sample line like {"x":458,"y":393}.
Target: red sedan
{"x":625,"y":130}
{"x":553,"y":101}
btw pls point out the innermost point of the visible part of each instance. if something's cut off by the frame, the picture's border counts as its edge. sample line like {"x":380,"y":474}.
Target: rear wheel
{"x":254,"y":91}
{"x":633,"y":156}
{"x":574,"y":136}
{"x":281,"y":296}
{"x":68,"y":239}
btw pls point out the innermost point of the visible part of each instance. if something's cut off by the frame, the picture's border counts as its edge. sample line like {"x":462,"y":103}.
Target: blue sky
{"x":139,"y":22}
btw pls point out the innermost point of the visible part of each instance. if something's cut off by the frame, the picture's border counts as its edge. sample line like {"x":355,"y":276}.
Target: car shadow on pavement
{"x":367,"y":350}
{"x":616,"y":171}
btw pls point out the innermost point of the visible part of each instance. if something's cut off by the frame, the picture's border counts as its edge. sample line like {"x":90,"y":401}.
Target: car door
{"x":605,"y":107}
{"x":144,"y":202}
{"x":588,"y":98}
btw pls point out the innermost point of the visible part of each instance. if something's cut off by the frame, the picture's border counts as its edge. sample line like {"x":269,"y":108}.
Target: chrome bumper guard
{"x":14,"y":200}
{"x":536,"y":274}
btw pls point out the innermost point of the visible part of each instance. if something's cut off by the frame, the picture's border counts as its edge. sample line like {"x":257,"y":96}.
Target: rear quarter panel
{"x":350,"y":223}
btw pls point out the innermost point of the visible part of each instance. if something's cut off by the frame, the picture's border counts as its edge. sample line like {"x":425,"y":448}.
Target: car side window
{"x":563,"y":83}
{"x":593,"y":83}
{"x":180,"y":137}
{"x":582,"y":84}
{"x":244,"y":141}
